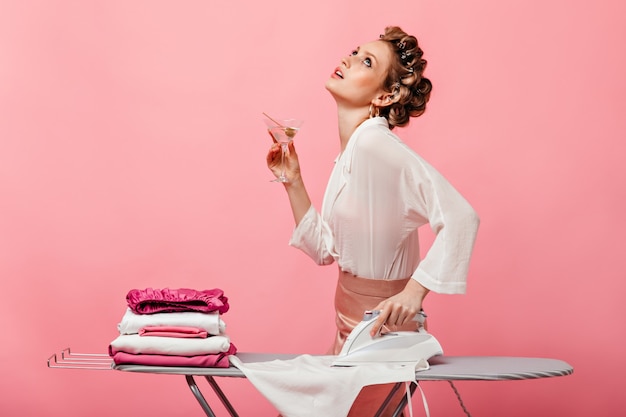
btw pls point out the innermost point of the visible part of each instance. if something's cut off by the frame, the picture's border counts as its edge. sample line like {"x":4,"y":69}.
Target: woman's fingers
{"x":274,"y":152}
{"x":392,"y":315}
{"x":385,"y":318}
{"x":377,"y":327}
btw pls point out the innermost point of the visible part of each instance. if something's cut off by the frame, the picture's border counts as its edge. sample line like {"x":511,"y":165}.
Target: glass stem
{"x":282,"y":160}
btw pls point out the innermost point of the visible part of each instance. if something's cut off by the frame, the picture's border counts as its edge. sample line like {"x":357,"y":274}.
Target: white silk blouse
{"x":378,"y":195}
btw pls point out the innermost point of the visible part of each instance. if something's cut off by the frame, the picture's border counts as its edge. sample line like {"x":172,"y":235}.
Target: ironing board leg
{"x":196,"y":392}
{"x":385,"y":403}
{"x":221,"y":396}
{"x":404,"y":401}
{"x":401,"y":405}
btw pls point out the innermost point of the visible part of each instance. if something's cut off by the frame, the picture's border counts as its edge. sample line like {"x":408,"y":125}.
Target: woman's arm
{"x":424,"y":194}
{"x":296,"y":191}
{"x":311,"y":235}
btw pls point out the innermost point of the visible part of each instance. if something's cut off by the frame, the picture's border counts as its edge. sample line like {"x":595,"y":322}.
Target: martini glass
{"x":283,"y":131}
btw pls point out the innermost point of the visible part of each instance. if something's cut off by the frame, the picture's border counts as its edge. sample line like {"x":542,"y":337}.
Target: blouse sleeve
{"x":313,"y":236}
{"x":445,"y":267}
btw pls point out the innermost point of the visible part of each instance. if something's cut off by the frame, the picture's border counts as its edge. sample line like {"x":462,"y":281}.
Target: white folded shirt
{"x":157,"y":345}
{"x":211,"y":322}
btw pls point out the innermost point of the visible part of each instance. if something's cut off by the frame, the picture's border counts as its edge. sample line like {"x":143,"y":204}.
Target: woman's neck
{"x":347,"y":121}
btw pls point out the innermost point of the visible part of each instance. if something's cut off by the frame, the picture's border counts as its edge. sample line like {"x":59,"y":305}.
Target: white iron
{"x":402,"y":346}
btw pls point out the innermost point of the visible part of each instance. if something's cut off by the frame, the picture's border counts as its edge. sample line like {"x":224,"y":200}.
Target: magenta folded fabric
{"x":174,"y":331}
{"x":217,"y":360}
{"x":166,"y":300}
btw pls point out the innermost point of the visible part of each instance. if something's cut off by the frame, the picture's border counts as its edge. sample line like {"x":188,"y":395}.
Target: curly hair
{"x":405,"y":80}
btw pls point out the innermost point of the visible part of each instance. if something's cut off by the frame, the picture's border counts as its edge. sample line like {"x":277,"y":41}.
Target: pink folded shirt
{"x":216,"y":360}
{"x":174,"y":331}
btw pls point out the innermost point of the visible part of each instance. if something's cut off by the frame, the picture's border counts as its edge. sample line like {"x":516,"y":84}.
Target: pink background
{"x":132,"y":155}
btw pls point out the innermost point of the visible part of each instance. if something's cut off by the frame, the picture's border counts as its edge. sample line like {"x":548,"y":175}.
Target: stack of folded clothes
{"x":173,"y":327}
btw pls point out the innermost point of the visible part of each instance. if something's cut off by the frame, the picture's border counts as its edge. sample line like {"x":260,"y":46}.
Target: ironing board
{"x":442,"y":368}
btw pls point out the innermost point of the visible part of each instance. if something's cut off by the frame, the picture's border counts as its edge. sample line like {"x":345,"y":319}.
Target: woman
{"x":378,"y":195}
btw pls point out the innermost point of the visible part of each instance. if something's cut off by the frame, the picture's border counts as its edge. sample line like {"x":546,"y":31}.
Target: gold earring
{"x":371,"y":110}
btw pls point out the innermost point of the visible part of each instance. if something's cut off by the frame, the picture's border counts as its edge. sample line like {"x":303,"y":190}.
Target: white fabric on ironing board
{"x":308,"y":386}
{"x":157,"y":345}
{"x":211,"y":322}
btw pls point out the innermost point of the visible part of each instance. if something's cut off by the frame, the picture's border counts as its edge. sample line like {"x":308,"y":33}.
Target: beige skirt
{"x":353,"y":296}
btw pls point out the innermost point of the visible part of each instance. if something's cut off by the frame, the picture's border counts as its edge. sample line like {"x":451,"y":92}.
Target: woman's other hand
{"x":401,"y":308}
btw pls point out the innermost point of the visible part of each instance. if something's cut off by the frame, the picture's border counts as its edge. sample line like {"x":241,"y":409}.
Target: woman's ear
{"x":384,"y":100}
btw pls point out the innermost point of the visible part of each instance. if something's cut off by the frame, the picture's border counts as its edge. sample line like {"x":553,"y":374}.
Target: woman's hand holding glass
{"x":276,"y":158}
{"x":282,"y":132}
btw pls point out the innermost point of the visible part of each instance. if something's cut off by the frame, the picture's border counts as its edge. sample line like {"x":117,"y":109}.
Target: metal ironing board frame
{"x":442,"y":368}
